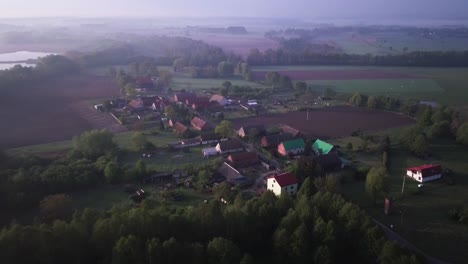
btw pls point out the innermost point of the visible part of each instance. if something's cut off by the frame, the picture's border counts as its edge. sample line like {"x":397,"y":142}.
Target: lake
{"x":21,"y":56}
{"x":7,"y":59}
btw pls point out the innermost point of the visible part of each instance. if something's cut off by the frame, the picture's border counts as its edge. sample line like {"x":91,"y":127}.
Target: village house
{"x":290,"y":130}
{"x":136,"y":105}
{"x":200,"y":124}
{"x":291,"y":147}
{"x":425,"y":173}
{"x":180,"y":129}
{"x":230,"y":146}
{"x":182,"y":97}
{"x":197,"y":103}
{"x":221,"y":100}
{"x":243,"y":159}
{"x":252,"y":130}
{"x":274,"y":140}
{"x":172,"y":122}
{"x":286,"y":182}
{"x":321,"y":147}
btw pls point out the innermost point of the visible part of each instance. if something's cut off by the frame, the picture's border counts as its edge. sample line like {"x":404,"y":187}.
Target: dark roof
{"x":243,"y":157}
{"x":230,"y":144}
{"x":136,"y":103}
{"x":198,"y":122}
{"x":276,"y":139}
{"x":229,"y":172}
{"x":285,"y":179}
{"x":182,"y":97}
{"x":144,"y":81}
{"x":329,"y":161}
{"x":259,"y":128}
{"x":428,"y":170}
{"x":209,"y":136}
{"x":197,"y":101}
{"x":290,"y":130}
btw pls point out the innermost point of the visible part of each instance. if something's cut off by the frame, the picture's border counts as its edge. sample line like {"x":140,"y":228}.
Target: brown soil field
{"x":338,"y":75}
{"x":331,"y":122}
{"x":54,"y":110}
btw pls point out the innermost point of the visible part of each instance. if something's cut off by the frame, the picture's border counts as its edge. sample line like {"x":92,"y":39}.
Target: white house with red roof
{"x":286,"y":182}
{"x":425,"y":173}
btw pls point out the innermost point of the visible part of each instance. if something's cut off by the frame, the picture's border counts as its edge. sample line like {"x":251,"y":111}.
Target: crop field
{"x":55,"y":111}
{"x":445,"y":85}
{"x":331,"y":122}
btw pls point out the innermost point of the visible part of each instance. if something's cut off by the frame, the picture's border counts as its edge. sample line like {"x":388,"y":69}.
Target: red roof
{"x":144,"y":80}
{"x":427,"y":169}
{"x":285,"y":179}
{"x":243,"y":157}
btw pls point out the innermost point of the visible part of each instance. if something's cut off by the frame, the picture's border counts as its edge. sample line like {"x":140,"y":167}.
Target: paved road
{"x":392,"y":235}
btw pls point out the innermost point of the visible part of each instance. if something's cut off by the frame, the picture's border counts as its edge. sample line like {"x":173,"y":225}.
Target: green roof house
{"x":294,"y":147}
{"x":321,"y":147}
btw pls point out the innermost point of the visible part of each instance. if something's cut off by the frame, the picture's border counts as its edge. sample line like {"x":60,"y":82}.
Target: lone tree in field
{"x":376,"y":182}
{"x":225,"y":129}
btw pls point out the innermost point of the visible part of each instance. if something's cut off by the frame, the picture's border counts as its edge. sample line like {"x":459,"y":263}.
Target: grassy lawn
{"x":105,"y":198}
{"x":59,"y":146}
{"x":186,"y":82}
{"x":165,"y":160}
{"x":425,"y":219}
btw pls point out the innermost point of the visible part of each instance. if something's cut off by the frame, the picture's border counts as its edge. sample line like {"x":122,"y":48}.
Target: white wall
{"x":272,"y":185}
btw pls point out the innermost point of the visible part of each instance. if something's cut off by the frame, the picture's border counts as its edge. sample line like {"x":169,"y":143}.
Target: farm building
{"x":329,"y":162}
{"x":191,"y":142}
{"x":182,"y":97}
{"x":233,"y":176}
{"x":291,"y":130}
{"x":254,"y":130}
{"x":274,"y":140}
{"x":252,"y":102}
{"x":208,"y":152}
{"x":425,"y":173}
{"x":200,"y":124}
{"x":286,"y":182}
{"x":221,"y":100}
{"x":243,"y":159}
{"x":321,"y":147}
{"x":230,"y":146}
{"x":296,"y":146}
{"x":211,"y":138}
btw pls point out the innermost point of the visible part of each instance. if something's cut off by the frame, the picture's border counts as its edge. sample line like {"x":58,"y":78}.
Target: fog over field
{"x":303,"y":9}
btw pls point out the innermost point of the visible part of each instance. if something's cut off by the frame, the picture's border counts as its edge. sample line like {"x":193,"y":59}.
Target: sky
{"x":302,"y":9}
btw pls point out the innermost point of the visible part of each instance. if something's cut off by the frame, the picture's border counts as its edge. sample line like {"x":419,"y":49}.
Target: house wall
{"x":418,"y":176}
{"x":273,"y":186}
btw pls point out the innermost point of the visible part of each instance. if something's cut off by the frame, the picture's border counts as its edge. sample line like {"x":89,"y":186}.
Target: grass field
{"x":188,"y":83}
{"x":425,"y":219}
{"x":391,"y":87}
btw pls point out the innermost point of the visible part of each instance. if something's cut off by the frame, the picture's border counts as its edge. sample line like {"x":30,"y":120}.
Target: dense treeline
{"x":311,"y":57}
{"x":322,"y":228}
{"x":47,"y":67}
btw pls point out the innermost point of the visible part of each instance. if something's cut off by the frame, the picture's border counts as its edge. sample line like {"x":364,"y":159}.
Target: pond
{"x":9,"y":60}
